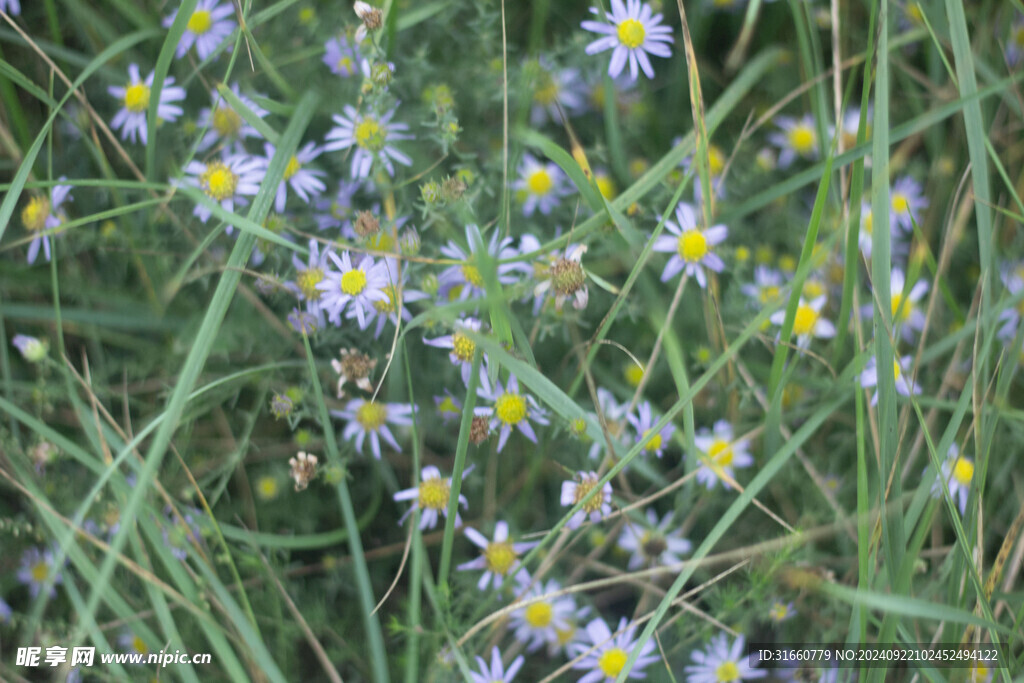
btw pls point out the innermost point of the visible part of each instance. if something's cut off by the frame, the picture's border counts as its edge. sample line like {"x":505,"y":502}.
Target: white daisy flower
{"x":226,"y":181}
{"x":957,"y":473}
{"x":616,"y":420}
{"x":496,"y":671}
{"x":722,"y":662}
{"x":691,"y":248}
{"x":308,"y":275}
{"x":546,"y":621}
{"x":808,"y":322}
{"x":901,"y":369}
{"x":463,"y":280}
{"x":134,"y":98}
{"x":799,"y":138}
{"x":44,"y":213}
{"x":599,"y":506}
{"x":462,"y":347}
{"x":304,"y":182}
{"x":907,"y":318}
{"x":224,"y":125}
{"x":358,"y":286}
{"x":372,"y":418}
{"x":781,"y":611}
{"x":766,"y":287}
{"x":206,"y":28}
{"x":498,"y":558}
{"x":898,"y":243}
{"x":906,"y":201}
{"x":398,"y":295}
{"x":606,"y":654}
{"x":370,"y":135}
{"x":510,"y":409}
{"x":723,"y":454}
{"x":554,"y":87}
{"x":540,"y":185}
{"x":644,"y":422}
{"x":632,"y":31}
{"x":431,"y":497}
{"x":342,"y":56}
{"x":653,"y":544}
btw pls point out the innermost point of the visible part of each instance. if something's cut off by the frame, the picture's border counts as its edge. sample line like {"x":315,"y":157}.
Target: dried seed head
{"x":372,"y":17}
{"x":356,"y":367}
{"x":367,"y":224}
{"x":452,"y":189}
{"x":303,"y":470}
{"x":479,"y":430}
{"x":567,"y":276}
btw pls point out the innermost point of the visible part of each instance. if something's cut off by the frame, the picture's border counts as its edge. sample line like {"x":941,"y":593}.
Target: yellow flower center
{"x":716,"y":160}
{"x":1018,"y":36}
{"x":372,"y":415}
{"x":539,"y":182}
{"x":307,"y":280}
{"x":721,"y":453}
{"x":538,"y":615}
{"x":447,"y":405}
{"x":370,"y":135}
{"x":226,"y":122}
{"x":896,"y":371}
{"x":434,"y":494}
{"x":727,"y":671}
{"x":510,"y":408}
{"x":612,"y":661}
{"x":778,"y":611}
{"x":564,"y":637}
{"x":963,"y":471}
{"x":768,"y":293}
{"x":805,"y":320}
{"x":547,"y":92}
{"x":692,"y":246}
{"x":606,"y":186}
{"x":582,"y":489}
{"x":802,"y":139}
{"x":632,"y":33}
{"x":472,"y":275}
{"x":900,"y":203}
{"x":218,"y":181}
{"x":139,"y":645}
{"x":200,"y":22}
{"x":40,"y":571}
{"x":499,"y":557}
{"x":292,"y":168}
{"x":654,"y":444}
{"x":463,"y":347}
{"x":904,"y":310}
{"x":345,"y":64}
{"x":35,"y":214}
{"x":915,"y":14}
{"x":869,"y":222}
{"x":633,"y":374}
{"x":267,"y":488}
{"x":136,"y":97}
{"x":353,"y":282}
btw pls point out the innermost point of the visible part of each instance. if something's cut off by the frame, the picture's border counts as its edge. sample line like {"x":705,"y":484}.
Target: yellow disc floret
{"x":136,"y":97}
{"x":693,"y":246}
{"x":612,"y":661}
{"x":721,"y":453}
{"x":500,"y":557}
{"x":35,"y":214}
{"x":292,"y":168}
{"x":473,"y":276}
{"x":539,"y":182}
{"x":802,"y":139}
{"x":226,"y":122}
{"x":654,"y":444}
{"x":40,"y":571}
{"x":900,"y":203}
{"x":434,"y":494}
{"x":218,"y":181}
{"x":727,"y":671}
{"x":463,"y":347}
{"x":372,"y":415}
{"x":539,"y":614}
{"x":200,"y":22}
{"x":805,"y":320}
{"x":582,"y":489}
{"x":307,"y":280}
{"x":510,"y":408}
{"x":370,"y":135}
{"x":632,"y":33}
{"x":963,"y":471}
{"x":353,"y":282}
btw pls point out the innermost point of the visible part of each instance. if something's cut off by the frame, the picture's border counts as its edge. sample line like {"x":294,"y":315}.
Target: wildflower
{"x":605,"y":655}
{"x":308,"y":275}
{"x":448,"y":407}
{"x":766,"y":288}
{"x":653,"y":544}
{"x":44,"y":213}
{"x":596,"y":508}
{"x":849,"y":127}
{"x":781,"y":611}
{"x":723,"y":453}
{"x":540,"y":185}
{"x":898,"y":245}
{"x":808,"y":322}
{"x":398,"y":294}
{"x":615,"y":420}
{"x":359,"y":286}
{"x":38,"y":566}
{"x":496,"y":672}
{"x":134,"y":97}
{"x":722,"y":662}
{"x":267,"y":487}
{"x":541,"y":622}
{"x":304,"y":182}
{"x":41,"y":455}
{"x":303,"y":322}
{"x":906,"y":316}
{"x":431,"y":496}
{"x":335,"y":212}
{"x":1015,"y":46}
{"x":567,"y":279}
{"x":226,"y":181}
{"x":225,"y":125}
{"x":644,"y":424}
{"x":342,"y":56}
{"x":206,"y":28}
{"x":554,"y":88}
{"x":371,"y":17}
{"x":956,"y":475}
{"x":13,"y":8}
{"x":371,"y":136}
{"x":371,"y":417}
{"x":32,"y":349}
{"x":716,"y":165}
{"x":130,"y":642}
{"x":981,"y":670}
{"x":462,"y":347}
{"x":281,"y":406}
{"x":462,"y":280}
{"x":510,"y":409}
{"x":905,"y":385}
{"x":354,"y":366}
{"x":181,"y":530}
{"x":631,"y":32}
{"x":691,"y":248}
{"x":799,"y":138}
{"x":303,"y":469}
{"x":499,"y":558}
{"x":906,"y":201}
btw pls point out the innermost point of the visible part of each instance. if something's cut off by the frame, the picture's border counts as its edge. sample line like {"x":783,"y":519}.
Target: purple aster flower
{"x":134,"y":97}
{"x":358,"y":286}
{"x":370,"y":135}
{"x":206,"y":28}
{"x":372,"y":418}
{"x":691,"y":248}
{"x":632,"y":32}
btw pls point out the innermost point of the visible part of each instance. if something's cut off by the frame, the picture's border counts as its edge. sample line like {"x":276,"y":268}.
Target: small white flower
{"x":691,"y":248}
{"x":510,"y":409}
{"x":644,"y":422}
{"x":225,"y":125}
{"x":721,"y":662}
{"x":134,"y":97}
{"x":353,"y":285}
{"x":540,"y":185}
{"x":431,"y":497}
{"x":655,"y":543}
{"x":372,"y":417}
{"x":799,"y":138}
{"x":632,"y":32}
{"x":907,"y":201}
{"x":498,"y":558}
{"x":808,"y":322}
{"x":566,"y":278}
{"x":907,"y":318}
{"x":606,"y":654}
{"x":723,"y":455}
{"x":957,"y":474}
{"x":496,"y":671}
{"x":901,"y":369}
{"x":226,"y":181}
{"x":304,"y":182}
{"x":207,"y":27}
{"x":462,"y":347}
{"x":599,"y":506}
{"x":547,"y":621}
{"x":370,"y":135}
